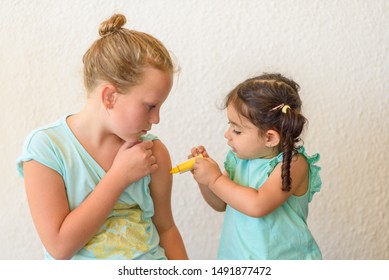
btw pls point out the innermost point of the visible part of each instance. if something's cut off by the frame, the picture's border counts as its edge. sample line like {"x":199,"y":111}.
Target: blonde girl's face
{"x":136,"y":111}
{"x":245,"y":138}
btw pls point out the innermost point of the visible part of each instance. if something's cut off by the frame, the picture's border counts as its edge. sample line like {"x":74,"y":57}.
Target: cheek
{"x":129,"y":118}
{"x":133,"y":113}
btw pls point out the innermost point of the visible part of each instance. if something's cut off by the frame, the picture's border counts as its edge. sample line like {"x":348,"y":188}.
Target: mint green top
{"x":128,"y":232}
{"x":280,"y":235}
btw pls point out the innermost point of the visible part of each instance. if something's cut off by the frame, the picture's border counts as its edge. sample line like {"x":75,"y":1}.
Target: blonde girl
{"x":97,"y":182}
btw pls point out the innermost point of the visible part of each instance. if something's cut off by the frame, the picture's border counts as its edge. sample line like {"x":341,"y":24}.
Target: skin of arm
{"x":252,"y":202}
{"x":161,"y":190}
{"x":213,"y":200}
{"x":64,"y":232}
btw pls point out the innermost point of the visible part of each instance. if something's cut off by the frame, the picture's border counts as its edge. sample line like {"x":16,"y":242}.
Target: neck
{"x":88,"y":126}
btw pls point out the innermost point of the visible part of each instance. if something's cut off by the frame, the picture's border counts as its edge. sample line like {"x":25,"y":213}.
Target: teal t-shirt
{"x":128,"y":232}
{"x":282,"y":234}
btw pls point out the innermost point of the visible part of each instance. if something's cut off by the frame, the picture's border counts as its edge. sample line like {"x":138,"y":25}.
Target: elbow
{"x":59,"y":252}
{"x":219,"y":207}
{"x":60,"y":255}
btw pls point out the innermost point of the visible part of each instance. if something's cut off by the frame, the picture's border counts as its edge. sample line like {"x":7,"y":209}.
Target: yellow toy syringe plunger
{"x":185,"y":166}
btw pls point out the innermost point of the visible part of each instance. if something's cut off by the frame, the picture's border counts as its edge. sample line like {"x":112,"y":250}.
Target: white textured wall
{"x":336,"y":50}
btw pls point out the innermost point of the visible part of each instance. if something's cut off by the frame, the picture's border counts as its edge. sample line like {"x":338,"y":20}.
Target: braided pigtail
{"x":292,"y":124}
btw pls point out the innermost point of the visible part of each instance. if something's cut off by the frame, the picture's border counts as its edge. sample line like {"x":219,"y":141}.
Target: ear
{"x":272,"y":138}
{"x":108,"y":96}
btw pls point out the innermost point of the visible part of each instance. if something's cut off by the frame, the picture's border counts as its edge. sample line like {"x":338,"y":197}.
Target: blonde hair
{"x":121,"y":55}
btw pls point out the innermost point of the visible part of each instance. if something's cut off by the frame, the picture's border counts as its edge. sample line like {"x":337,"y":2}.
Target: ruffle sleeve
{"x":314,"y":177}
{"x":273,"y":163}
{"x":230,"y":164}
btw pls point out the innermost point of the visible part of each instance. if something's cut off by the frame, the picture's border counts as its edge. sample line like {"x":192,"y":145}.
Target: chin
{"x":240,"y":156}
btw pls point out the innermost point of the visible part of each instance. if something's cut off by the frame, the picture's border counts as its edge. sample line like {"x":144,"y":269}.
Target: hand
{"x":133,"y":162}
{"x":197,"y":151}
{"x":206,"y":171}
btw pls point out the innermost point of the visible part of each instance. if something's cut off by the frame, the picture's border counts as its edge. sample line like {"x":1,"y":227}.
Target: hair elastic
{"x":283,"y":108}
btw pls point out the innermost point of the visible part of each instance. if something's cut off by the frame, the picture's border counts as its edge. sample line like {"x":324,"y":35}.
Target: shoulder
{"x":299,"y":161}
{"x":162,"y":156}
{"x":160,"y":151}
{"x":304,"y":163}
{"x":42,"y":145}
{"x":313,"y":170}
{"x":46,"y":133}
{"x":299,"y":173}
{"x":49,"y":137}
{"x":161,"y":179}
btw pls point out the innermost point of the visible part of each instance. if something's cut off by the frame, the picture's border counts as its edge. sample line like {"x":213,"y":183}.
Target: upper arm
{"x":161,"y":188}
{"x":47,"y":199}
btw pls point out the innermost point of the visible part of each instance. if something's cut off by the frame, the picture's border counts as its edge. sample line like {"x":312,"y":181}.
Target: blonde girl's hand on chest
{"x":133,"y":162}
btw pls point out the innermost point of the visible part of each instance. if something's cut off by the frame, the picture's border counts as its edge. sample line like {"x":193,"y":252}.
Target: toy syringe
{"x":185,"y":166}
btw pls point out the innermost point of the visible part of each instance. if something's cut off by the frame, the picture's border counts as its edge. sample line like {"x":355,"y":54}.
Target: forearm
{"x":241,"y":198}
{"x":213,"y":200}
{"x":173,"y":244}
{"x":81,"y":224}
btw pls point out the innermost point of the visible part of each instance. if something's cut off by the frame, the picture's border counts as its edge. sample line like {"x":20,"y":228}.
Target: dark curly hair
{"x":271,"y":101}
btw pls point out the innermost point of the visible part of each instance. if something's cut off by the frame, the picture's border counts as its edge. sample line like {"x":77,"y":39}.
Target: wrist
{"x":214,"y":182}
{"x":117,"y":179}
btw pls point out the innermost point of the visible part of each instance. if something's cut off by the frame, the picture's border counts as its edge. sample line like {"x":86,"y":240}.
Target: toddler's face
{"x":245,"y":138}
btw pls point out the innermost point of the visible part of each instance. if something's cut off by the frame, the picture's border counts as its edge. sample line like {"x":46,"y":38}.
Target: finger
{"x":148,"y":144}
{"x":152,"y":160}
{"x":153,"y":168}
{"x":194,"y":152}
{"x":149,"y":153}
{"x":200,"y":149}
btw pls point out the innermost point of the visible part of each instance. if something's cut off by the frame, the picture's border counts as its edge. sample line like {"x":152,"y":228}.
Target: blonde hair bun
{"x":111,"y":25}
{"x":120,"y":56}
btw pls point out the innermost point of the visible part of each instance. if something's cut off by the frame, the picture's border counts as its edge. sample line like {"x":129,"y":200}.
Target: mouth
{"x":233,"y":149}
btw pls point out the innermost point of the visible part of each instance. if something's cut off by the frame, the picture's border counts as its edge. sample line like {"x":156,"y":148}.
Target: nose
{"x":227,"y":134}
{"x":154,"y":117}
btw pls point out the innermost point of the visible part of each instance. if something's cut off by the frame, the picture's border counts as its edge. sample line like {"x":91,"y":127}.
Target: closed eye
{"x":233,"y":126}
{"x":151,"y":107}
